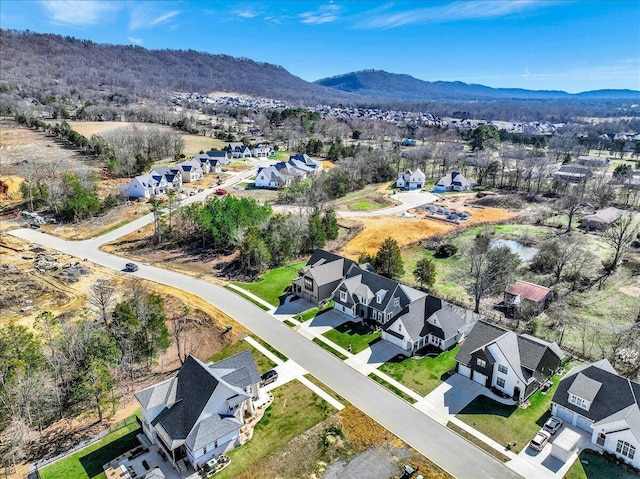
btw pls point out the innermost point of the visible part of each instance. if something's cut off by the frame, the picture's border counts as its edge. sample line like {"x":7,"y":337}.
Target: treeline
{"x":261,"y":238}
{"x":64,"y":367}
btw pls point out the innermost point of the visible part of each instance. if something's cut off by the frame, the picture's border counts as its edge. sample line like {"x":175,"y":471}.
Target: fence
{"x":33,"y":468}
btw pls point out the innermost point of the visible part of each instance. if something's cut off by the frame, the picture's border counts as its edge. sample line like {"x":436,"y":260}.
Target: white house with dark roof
{"x":280,"y":175}
{"x":411,"y":180}
{"x":190,"y":170}
{"x":513,"y":364}
{"x":197,"y":415}
{"x":430,"y":321}
{"x":596,"y":399}
{"x":263,"y":150}
{"x":453,"y":181}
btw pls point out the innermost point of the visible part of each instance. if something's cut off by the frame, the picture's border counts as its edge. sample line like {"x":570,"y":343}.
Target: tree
{"x":619,"y":237}
{"x":425,"y":272}
{"x":97,"y":384}
{"x":101,"y":295}
{"x":316,"y":236}
{"x":485,"y":137}
{"x":254,"y":256}
{"x":622,"y":171}
{"x":330,"y":224}
{"x":570,"y":204}
{"x":173,"y":203}
{"x":156,"y":209}
{"x":491,"y":269}
{"x":388,"y":260}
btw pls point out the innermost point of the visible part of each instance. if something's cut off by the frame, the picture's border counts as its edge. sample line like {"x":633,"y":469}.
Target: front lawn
{"x":294,"y":410}
{"x":87,"y":463}
{"x":263,"y":363}
{"x":422,"y":375}
{"x":596,"y":467}
{"x":356,"y":336}
{"x":273,"y":282}
{"x":506,"y":424}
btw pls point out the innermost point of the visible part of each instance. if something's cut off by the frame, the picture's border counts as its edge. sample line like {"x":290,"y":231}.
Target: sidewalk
{"x":257,"y":299}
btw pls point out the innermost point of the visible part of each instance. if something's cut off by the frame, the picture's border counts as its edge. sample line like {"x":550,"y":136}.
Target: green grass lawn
{"x":506,"y":424}
{"x":294,"y":410}
{"x":422,"y":375}
{"x":273,"y":282}
{"x":365,"y":206}
{"x":248,"y":298}
{"x":597,"y":467}
{"x":353,"y":334}
{"x":263,"y":363}
{"x":87,"y":463}
{"x":313,"y":312}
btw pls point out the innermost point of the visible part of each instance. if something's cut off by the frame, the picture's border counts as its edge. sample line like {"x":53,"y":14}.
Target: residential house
{"x":573,"y":173}
{"x":512,"y":364}
{"x":190,"y":170}
{"x":318,"y":279}
{"x":238,"y":150}
{"x":303,"y":162}
{"x":593,"y":161}
{"x":523,"y":293}
{"x":429,"y":321}
{"x":602,"y":219}
{"x":453,"y":181}
{"x":146,"y":186}
{"x":596,"y":399}
{"x":171,"y":175}
{"x":280,"y":175}
{"x":263,"y":150}
{"x":223,"y":156}
{"x":411,"y":180}
{"x":197,"y":415}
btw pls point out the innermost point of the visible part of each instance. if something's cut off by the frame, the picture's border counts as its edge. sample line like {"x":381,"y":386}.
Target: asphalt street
{"x":451,"y":452}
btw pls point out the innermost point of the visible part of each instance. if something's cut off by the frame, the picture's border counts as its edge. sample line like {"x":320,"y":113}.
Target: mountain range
{"x":38,"y":65}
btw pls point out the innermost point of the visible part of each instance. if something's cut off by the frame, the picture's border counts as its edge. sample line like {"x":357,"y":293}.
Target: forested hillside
{"x":43,"y":64}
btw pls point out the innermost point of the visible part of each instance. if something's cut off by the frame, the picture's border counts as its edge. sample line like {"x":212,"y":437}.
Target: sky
{"x":570,"y":45}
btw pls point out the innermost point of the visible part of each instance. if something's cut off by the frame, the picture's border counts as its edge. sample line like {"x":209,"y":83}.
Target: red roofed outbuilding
{"x":533,"y":295}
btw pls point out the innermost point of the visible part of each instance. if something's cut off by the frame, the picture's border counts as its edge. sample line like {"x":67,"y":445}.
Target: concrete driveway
{"x":292,"y":308}
{"x":374,"y":356}
{"x":328,"y":320}
{"x":409,"y":200}
{"x":450,"y":398}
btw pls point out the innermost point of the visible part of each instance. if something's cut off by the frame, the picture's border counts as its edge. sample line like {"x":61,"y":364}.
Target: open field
{"x":272,"y":283}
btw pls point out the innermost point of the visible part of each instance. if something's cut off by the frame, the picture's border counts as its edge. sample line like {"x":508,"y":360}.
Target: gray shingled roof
{"x":481,"y":335}
{"x":161,"y":393}
{"x":238,"y":370}
{"x":210,"y":430}
{"x":413,"y":321}
{"x":585,"y":387}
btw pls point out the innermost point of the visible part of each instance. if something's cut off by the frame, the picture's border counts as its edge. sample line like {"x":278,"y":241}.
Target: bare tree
{"x":619,"y":237}
{"x":571,"y":203}
{"x":102,"y":295}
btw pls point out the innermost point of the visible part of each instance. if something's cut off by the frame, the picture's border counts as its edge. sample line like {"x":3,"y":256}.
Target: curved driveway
{"x":454,"y":454}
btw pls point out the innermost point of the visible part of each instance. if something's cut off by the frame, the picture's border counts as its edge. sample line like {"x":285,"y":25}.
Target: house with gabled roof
{"x":190,"y":170}
{"x":171,"y":174}
{"x":411,"y":180}
{"x":573,"y":173}
{"x":453,"y":181}
{"x":602,"y":219}
{"x":321,"y":275}
{"x":197,"y":415}
{"x":238,"y":149}
{"x":513,"y":364}
{"x":429,"y":321}
{"x":223,"y":156}
{"x":280,"y":175}
{"x":524,"y":294}
{"x":262,"y":150}
{"x":596,"y":399}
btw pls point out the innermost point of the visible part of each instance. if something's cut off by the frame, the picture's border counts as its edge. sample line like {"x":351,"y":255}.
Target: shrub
{"x":446,"y":250}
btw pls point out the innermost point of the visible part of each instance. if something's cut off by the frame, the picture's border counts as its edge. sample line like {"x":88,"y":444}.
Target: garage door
{"x":479,"y":378}
{"x":583,"y":423}
{"x":564,"y":414}
{"x":465,"y":371}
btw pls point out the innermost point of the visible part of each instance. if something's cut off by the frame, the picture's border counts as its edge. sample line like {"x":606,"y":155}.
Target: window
{"x":625,"y":449}
{"x":379,"y":298}
{"x":396,"y":302}
{"x":481,"y":362}
{"x":573,"y":399}
{"x":503,"y":369}
{"x":399,"y":327}
{"x":343,"y":296}
{"x":308,"y":284}
{"x":388,"y":315}
{"x":500,"y":382}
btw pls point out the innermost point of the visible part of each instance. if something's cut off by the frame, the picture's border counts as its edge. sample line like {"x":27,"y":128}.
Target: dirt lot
{"x":408,"y":231}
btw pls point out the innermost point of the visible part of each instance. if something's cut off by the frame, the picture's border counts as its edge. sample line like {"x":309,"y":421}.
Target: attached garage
{"x":564,"y":414}
{"x":584,"y":423}
{"x":565,"y":444}
{"x":480,"y":378}
{"x":464,"y":370}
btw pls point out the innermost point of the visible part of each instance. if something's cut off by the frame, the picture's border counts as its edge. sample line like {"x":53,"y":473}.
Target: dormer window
{"x":379,"y":298}
{"x":578,"y":401}
{"x":343,"y":296}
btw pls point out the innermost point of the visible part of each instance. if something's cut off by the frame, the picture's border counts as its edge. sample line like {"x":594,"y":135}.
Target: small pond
{"x":525,"y":253}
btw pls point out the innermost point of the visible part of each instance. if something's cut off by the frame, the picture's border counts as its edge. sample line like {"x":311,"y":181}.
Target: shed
{"x":565,"y":444}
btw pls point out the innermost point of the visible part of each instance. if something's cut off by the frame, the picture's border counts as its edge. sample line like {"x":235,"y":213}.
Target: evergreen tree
{"x":388,"y":261}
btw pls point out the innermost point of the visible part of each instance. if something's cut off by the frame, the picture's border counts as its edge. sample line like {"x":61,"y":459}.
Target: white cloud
{"x":323,"y":14}
{"x":78,"y":13}
{"x":458,"y":10}
{"x":141,"y":18}
{"x":247,"y":12}
{"x":137,"y":41}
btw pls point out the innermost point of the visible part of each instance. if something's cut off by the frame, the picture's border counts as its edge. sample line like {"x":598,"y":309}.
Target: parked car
{"x":541,"y":439}
{"x":221,"y":191}
{"x":269,"y":377}
{"x":131,"y":267}
{"x":552,"y":425}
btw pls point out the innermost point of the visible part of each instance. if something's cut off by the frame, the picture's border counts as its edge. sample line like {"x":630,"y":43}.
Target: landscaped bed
{"x":422,"y":375}
{"x":352,"y":336}
{"x":596,"y":466}
{"x":87,"y":463}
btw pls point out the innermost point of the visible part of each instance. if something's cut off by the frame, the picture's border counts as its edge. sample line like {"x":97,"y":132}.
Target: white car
{"x":541,"y":439}
{"x":552,"y":425}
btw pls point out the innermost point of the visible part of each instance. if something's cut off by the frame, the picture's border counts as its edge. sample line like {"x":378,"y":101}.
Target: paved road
{"x":441,"y":445}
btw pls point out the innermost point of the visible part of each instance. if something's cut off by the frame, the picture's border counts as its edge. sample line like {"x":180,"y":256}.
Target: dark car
{"x":221,"y":192}
{"x":132,"y":267}
{"x":269,"y":377}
